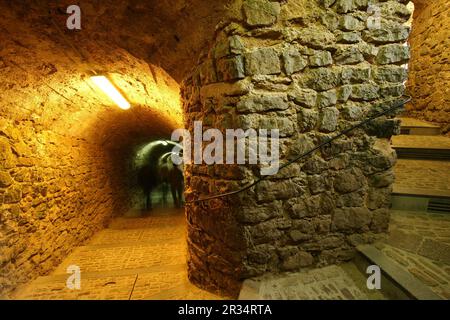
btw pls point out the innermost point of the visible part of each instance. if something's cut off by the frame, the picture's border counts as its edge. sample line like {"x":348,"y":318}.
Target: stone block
{"x":353,"y":199}
{"x":393,"y":53}
{"x":5,"y":179}
{"x":390,"y":74}
{"x":349,"y":180}
{"x":327,"y":98}
{"x":258,"y":214}
{"x":318,"y":183}
{"x":365,"y":92}
{"x":293,"y":259}
{"x":387,"y":34}
{"x":356,"y":74}
{"x":380,"y":221}
{"x":320,"y":79}
{"x":307,"y":119}
{"x":379,"y":198}
{"x":229,"y":46}
{"x":230,"y":68}
{"x":392,"y":90}
{"x":263,"y":103}
{"x":262,"y":61}
{"x":13,"y":195}
{"x":268,"y":191}
{"x":352,"y":112}
{"x":348,"y":219}
{"x":322,"y":204}
{"x":348,"y":54}
{"x":260,"y":13}
{"x":348,"y":37}
{"x":344,"y":93}
{"x":293,"y":61}
{"x":315,"y":37}
{"x":304,"y":97}
{"x":329,"y":120}
{"x":321,"y":59}
{"x":351,"y":23}
{"x":315,"y":165}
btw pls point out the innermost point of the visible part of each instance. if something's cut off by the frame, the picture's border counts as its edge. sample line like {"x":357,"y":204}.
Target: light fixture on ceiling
{"x":111,"y":91}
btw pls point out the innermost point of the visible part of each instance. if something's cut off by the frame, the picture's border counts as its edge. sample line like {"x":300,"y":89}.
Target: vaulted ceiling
{"x":169,"y":34}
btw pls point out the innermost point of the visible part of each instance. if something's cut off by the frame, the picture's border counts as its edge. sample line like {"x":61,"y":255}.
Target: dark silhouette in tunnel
{"x":147,"y":179}
{"x":171,"y":176}
{"x":158,"y":173}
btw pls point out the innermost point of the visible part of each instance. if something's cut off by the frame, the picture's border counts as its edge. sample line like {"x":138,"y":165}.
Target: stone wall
{"x":429,"y":66}
{"x":64,"y":148}
{"x":310,"y":69}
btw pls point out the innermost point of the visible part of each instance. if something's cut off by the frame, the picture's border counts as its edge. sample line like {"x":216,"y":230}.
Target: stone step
{"x":411,"y":126}
{"x":422,"y":185}
{"x":422,"y":147}
{"x":396,"y":282}
{"x":415,"y":200}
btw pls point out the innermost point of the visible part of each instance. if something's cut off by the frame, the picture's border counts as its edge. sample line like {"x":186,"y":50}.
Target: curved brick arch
{"x":65,"y":148}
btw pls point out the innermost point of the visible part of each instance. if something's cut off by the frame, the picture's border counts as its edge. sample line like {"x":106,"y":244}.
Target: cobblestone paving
{"x":342,"y":282}
{"x":420,"y":242}
{"x":423,"y":174}
{"x":433,"y":274}
{"x":136,"y":258}
{"x":425,"y":234}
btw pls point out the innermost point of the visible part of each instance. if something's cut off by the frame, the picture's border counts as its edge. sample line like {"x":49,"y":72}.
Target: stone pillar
{"x":309,"y":69}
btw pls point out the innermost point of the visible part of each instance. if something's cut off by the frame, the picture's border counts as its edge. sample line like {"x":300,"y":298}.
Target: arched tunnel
{"x":71,"y":149}
{"x":71,"y":160}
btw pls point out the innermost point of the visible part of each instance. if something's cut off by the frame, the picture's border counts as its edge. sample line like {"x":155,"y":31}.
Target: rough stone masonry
{"x":309,"y":68}
{"x":64,"y":153}
{"x":429,"y":72}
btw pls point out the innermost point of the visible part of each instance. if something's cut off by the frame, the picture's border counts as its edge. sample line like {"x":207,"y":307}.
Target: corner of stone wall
{"x":309,"y":69}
